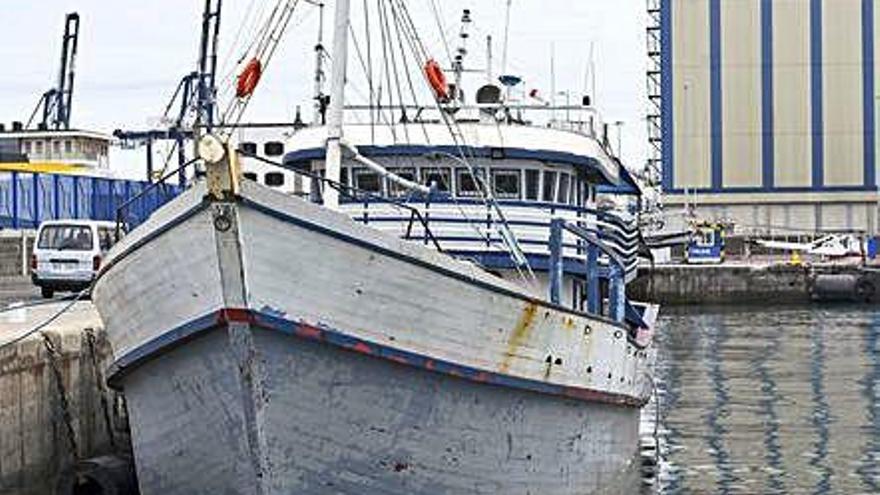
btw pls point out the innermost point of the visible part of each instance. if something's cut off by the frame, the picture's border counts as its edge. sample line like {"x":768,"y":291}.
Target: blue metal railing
{"x":614,"y":272}
{"x":27,"y":199}
{"x":616,"y":233}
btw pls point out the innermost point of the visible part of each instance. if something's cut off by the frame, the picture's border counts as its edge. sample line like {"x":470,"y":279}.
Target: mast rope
{"x":466,"y":155}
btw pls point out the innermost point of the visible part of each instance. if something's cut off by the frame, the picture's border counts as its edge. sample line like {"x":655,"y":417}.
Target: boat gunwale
{"x":221,"y":318}
{"x":207,"y":201}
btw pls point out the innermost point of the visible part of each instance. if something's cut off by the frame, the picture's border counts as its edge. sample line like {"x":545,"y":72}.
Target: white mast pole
{"x":333,"y":160}
{"x":318,"y":118}
{"x":489,"y":78}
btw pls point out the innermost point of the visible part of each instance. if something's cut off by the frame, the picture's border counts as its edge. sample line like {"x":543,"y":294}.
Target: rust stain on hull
{"x":519,"y":335}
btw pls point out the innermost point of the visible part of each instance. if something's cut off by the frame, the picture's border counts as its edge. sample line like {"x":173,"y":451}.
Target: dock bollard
{"x":104,"y":475}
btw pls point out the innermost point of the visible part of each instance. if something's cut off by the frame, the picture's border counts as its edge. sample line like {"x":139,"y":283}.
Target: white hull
{"x":269,"y":345}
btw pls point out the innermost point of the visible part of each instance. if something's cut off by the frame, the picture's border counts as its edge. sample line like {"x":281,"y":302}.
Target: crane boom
{"x":57,"y":103}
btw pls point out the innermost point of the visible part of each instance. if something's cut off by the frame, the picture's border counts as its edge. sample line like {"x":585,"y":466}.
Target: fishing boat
{"x":444,"y":317}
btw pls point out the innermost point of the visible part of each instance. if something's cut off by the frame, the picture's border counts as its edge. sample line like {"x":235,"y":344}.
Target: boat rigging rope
{"x":267,"y":43}
{"x":465,"y":153}
{"x":439,"y":19}
{"x":386,"y":41}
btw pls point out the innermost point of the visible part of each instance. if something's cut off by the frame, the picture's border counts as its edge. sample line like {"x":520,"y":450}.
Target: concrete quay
{"x":55,"y":409}
{"x":756,"y":282}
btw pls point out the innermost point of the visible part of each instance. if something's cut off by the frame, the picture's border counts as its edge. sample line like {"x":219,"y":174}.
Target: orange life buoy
{"x":437,"y":79}
{"x":248,"y":79}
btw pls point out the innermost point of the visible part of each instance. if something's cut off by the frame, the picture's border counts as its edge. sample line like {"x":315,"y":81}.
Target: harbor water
{"x":769,"y":400}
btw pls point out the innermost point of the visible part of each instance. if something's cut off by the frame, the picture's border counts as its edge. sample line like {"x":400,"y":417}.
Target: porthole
{"x":273,"y":148}
{"x":274,"y":179}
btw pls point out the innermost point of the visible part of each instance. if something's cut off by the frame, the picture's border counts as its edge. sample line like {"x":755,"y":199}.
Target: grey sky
{"x":133,"y":53}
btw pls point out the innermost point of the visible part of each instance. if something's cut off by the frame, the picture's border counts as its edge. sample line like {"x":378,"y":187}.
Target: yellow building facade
{"x":769,"y":112}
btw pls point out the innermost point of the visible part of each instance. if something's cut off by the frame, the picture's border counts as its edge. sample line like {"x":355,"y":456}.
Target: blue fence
{"x":26,"y":199}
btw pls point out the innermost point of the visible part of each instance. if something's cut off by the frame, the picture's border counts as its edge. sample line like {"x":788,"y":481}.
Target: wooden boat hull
{"x":269,"y":346}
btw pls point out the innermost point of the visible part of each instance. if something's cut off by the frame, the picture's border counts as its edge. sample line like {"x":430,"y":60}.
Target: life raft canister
{"x":248,"y":79}
{"x":437,"y":79}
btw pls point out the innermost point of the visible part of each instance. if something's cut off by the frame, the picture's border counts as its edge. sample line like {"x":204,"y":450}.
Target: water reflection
{"x":785,"y":400}
{"x":767,"y":412}
{"x":716,"y":336}
{"x":868,"y":470}
{"x":821,"y":417}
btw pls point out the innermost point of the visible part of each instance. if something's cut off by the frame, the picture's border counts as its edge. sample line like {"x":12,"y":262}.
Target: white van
{"x":68,"y":253}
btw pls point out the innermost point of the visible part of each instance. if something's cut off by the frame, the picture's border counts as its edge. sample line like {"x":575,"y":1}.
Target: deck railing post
{"x":556,"y":263}
{"x":616,"y":293}
{"x":594,"y":302}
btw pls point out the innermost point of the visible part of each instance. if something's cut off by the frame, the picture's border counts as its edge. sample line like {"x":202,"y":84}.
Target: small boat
{"x":274,"y":344}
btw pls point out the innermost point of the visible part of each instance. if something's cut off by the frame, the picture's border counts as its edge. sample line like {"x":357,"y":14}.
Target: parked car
{"x":67,"y":254}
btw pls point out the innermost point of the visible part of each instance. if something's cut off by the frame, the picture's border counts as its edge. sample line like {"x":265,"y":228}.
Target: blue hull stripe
{"x":816,"y":91}
{"x":868,"y":83}
{"x":767,"y":142}
{"x":715,"y":94}
{"x":272,"y":322}
{"x":666,"y":81}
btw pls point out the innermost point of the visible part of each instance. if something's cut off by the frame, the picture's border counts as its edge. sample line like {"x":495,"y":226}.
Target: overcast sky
{"x":133,"y":53}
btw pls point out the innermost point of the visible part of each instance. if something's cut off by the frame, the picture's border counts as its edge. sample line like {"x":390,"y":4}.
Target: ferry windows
{"x":250,"y":176}
{"x":533,"y":184}
{"x":56,"y":148}
{"x":367,"y":181}
{"x":395,"y":189}
{"x":248,"y":148}
{"x":506,"y":183}
{"x":441,"y":178}
{"x":562,"y":194}
{"x":274,"y":179}
{"x":466,"y":183}
{"x":273,"y":148}
{"x":549,"y":186}
{"x":38,"y":147}
{"x":68,"y":147}
{"x":26,"y":148}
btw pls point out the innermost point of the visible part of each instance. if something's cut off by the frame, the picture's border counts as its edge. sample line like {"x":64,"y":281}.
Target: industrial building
{"x":764,"y":112}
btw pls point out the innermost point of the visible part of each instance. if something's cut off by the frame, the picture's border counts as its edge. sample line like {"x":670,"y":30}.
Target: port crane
{"x":195,"y":94}
{"x":193,"y":107}
{"x":55,"y":105}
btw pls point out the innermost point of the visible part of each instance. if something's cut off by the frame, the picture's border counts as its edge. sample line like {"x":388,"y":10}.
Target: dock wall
{"x":722,"y":284}
{"x":15,"y":252}
{"x":55,"y":409}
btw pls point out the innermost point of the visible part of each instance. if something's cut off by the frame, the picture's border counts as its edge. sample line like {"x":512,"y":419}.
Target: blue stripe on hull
{"x":265,"y":320}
